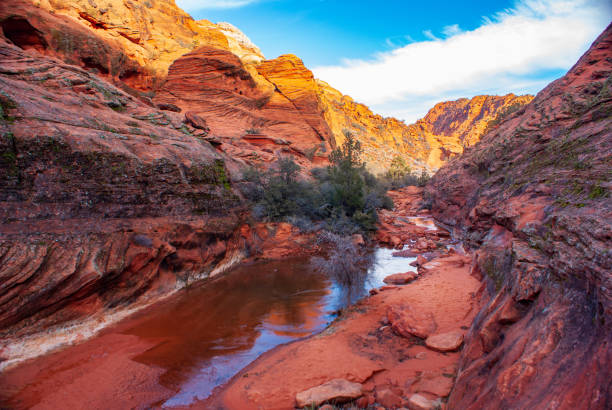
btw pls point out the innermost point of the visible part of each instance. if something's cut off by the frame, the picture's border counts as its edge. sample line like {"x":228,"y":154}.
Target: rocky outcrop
{"x":336,"y":391}
{"x":256,"y":114}
{"x":533,"y":196}
{"x":429,"y":143}
{"x":135,"y":42}
{"x":106,"y":203}
{"x":468,"y":119}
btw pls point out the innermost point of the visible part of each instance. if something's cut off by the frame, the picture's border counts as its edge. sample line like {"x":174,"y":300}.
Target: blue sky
{"x":401,"y":57}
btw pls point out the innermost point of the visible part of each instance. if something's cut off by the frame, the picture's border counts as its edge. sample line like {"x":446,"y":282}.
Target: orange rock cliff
{"x":124,"y":127}
{"x":139,"y":46}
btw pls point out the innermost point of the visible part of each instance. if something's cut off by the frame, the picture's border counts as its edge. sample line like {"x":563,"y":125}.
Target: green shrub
{"x":343,"y":197}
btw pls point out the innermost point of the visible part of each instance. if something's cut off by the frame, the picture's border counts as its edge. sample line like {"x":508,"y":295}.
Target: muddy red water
{"x":181,"y":349}
{"x":178,"y":351}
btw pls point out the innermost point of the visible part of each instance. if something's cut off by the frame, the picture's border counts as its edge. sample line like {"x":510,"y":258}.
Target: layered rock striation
{"x":135,"y":42}
{"x":443,"y":133}
{"x":533,"y":197}
{"x":106,"y":202}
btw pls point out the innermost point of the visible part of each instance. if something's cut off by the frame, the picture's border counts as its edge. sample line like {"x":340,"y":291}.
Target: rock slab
{"x":445,"y":342}
{"x":418,"y":402}
{"x":400,"y":278}
{"x":407,"y":321}
{"x":337,"y":390}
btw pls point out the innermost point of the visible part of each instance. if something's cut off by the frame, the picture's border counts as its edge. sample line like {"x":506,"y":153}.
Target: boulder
{"x":418,"y":402}
{"x":439,"y":386}
{"x":445,"y":342}
{"x":400,"y":278}
{"x":388,"y":399}
{"x":337,"y":390}
{"x":407,"y":321}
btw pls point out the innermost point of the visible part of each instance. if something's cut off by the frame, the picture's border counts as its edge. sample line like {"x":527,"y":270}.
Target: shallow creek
{"x":211,"y":332}
{"x":202,"y":336}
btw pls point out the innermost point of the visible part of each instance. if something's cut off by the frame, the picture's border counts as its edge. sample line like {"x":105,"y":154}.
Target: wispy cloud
{"x":516,"y":50}
{"x":195,"y":5}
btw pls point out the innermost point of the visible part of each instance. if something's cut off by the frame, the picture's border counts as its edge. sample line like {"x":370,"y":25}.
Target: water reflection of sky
{"x":208,"y":334}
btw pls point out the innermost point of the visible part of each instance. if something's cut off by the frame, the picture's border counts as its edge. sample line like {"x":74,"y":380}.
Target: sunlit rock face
{"x":125,"y":127}
{"x":134,"y":41}
{"x":429,"y":143}
{"x":135,"y":44}
{"x":106,"y":201}
{"x":533,"y":197}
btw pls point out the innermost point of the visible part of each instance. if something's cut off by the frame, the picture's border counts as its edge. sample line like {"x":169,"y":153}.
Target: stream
{"x":199,"y":338}
{"x":209,"y":333}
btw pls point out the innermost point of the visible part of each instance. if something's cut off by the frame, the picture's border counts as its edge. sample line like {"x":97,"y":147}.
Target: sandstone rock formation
{"x":135,"y":45}
{"x":149,"y":36}
{"x":105,"y":201}
{"x":430,"y":142}
{"x":111,"y":197}
{"x":400,"y":278}
{"x":533,"y":196}
{"x":445,"y":342}
{"x":467,"y":119}
{"x":255,"y":112}
{"x":407,"y":321}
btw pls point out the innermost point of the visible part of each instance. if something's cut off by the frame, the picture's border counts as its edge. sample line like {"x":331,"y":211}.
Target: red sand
{"x":362,"y":348}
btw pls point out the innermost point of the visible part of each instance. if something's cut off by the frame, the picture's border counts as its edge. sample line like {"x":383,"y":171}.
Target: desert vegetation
{"x":340,"y":198}
{"x":400,"y":175}
{"x":345,"y":263}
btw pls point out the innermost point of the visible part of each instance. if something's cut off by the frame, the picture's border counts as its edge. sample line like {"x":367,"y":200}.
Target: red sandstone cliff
{"x":110,"y":197}
{"x":533,"y":197}
{"x":105,"y":201}
{"x":429,"y":143}
{"x":137,"y":45}
{"x":128,"y":40}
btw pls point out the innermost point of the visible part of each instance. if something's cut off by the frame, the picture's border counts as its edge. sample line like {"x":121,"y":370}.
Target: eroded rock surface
{"x":106,"y":201}
{"x":534,"y":198}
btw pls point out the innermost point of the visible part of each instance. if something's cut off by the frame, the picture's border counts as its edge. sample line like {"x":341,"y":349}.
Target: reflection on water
{"x":207,"y":334}
{"x":386,"y":264}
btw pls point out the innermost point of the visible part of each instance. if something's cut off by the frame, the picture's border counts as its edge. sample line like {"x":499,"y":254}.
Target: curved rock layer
{"x":255,"y":114}
{"x":429,"y":143}
{"x":131,"y":40}
{"x":534,"y":197}
{"x":106,"y":202}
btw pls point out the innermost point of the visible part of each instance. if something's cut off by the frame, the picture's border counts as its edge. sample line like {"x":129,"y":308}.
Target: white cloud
{"x":451,"y":30}
{"x":513,"y":51}
{"x":195,"y":5}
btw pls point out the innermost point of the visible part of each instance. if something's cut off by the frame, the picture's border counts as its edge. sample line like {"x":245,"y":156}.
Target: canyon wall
{"x":145,"y":48}
{"x":134,"y":41}
{"x":533,"y":198}
{"x":124,"y":129}
{"x":427,"y":144}
{"x":106,"y":202}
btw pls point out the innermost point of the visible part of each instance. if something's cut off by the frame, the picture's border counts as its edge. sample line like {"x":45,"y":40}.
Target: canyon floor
{"x":371,"y":343}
